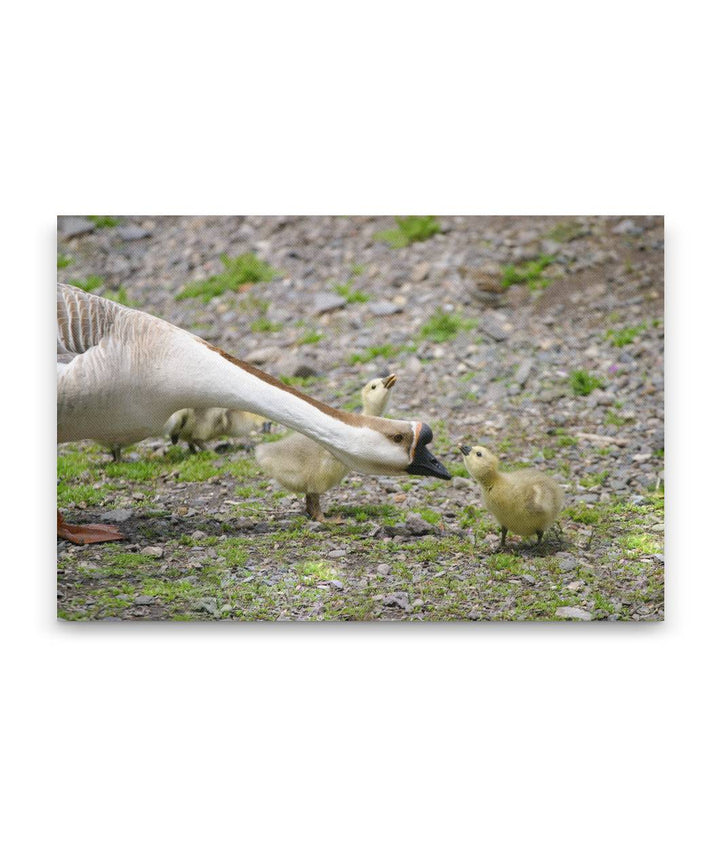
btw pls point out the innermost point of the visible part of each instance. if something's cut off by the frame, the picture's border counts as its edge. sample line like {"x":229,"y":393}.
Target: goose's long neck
{"x":214,"y":378}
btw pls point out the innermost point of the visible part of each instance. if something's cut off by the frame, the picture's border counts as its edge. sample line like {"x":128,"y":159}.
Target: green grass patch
{"x":292,"y":380}
{"x":243,"y":269}
{"x":103,"y":221}
{"x":312,"y":337}
{"x":442,"y":326}
{"x":625,"y":335}
{"x":386,"y":351}
{"x":583,"y":513}
{"x":120,"y":295}
{"x":64,"y":261}
{"x":352,"y":295}
{"x":90,"y":283}
{"x":594,"y":479}
{"x":316,"y":570}
{"x":263,"y":325}
{"x":566,"y":231}
{"x":529,"y":274}
{"x":583,"y":383}
{"x":409,"y":230}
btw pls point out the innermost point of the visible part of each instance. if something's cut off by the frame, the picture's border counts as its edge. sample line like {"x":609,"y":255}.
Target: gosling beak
{"x":389,"y":381}
{"x":464,"y":449}
{"x":424,"y":463}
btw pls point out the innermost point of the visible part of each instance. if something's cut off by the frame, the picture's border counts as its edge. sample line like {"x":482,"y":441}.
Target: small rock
{"x":198,"y":535}
{"x":417,"y":525}
{"x":384,"y":307}
{"x":337,"y":584}
{"x":383,"y":569}
{"x":461,"y":483}
{"x":495,"y":327}
{"x":575,"y":585}
{"x":132,"y":232}
{"x":206,"y":604}
{"x":117,"y":515}
{"x":155,"y":552}
{"x":523,"y":372}
{"x":400,"y":600}
{"x":573,"y":612}
{"x":336,"y":554}
{"x":627,"y":227}
{"x":144,"y":600}
{"x":328,"y":303}
{"x":420,"y":272}
{"x":71,"y":227}
{"x":260,"y":356}
{"x":529,"y":579}
{"x":567,"y":564}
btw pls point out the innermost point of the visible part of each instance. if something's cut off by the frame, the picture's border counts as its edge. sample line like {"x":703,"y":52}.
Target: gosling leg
{"x":312,"y":505}
{"x":503,"y":534}
{"x":116,"y":452}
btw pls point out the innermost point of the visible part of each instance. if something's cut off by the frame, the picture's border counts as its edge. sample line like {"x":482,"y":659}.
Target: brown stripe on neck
{"x":342,"y":415}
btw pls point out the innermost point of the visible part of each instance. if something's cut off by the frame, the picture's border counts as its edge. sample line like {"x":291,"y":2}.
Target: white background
{"x":359,"y":739}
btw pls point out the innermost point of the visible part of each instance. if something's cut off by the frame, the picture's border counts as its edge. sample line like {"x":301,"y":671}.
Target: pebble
{"x":117,"y":515}
{"x":155,"y":552}
{"x":494,"y":327}
{"x":328,"y":303}
{"x":573,"y":612}
{"x":72,"y":227}
{"x":417,"y":525}
{"x":130,"y":232}
{"x":384,"y":307}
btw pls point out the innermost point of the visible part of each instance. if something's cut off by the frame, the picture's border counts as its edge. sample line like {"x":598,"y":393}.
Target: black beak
{"x":389,"y":381}
{"x":465,"y":450}
{"x":424,"y":463}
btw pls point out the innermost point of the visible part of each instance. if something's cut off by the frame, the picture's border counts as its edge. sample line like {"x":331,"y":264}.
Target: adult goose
{"x":121,"y":373}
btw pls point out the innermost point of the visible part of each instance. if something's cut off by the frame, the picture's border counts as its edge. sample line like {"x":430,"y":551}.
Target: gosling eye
{"x":373,"y":386}
{"x":479,"y":454}
{"x":397,"y":438}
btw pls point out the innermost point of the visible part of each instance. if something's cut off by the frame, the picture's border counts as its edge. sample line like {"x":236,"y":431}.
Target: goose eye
{"x":397,"y":438}
{"x":479,"y":454}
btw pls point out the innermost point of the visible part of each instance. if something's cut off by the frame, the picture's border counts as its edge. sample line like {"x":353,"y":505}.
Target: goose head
{"x":391,"y":447}
{"x":480,"y":462}
{"x":376,"y":394}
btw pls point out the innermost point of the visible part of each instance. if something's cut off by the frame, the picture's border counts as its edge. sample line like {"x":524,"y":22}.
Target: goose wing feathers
{"x":83,"y":320}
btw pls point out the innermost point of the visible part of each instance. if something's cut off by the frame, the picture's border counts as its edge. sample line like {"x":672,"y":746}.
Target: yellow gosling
{"x":303,"y":466}
{"x":198,"y":425}
{"x":526,"y":502}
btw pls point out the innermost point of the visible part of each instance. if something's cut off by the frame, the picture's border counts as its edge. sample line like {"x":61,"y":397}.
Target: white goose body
{"x":302,"y":466}
{"x":122,"y":373}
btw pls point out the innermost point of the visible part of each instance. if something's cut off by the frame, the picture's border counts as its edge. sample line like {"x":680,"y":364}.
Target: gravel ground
{"x":210,"y":537}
